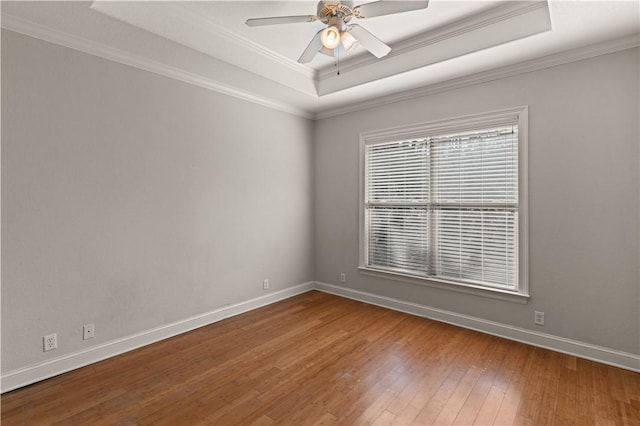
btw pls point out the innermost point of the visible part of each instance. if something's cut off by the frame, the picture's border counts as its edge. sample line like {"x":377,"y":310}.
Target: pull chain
{"x":337,"y":63}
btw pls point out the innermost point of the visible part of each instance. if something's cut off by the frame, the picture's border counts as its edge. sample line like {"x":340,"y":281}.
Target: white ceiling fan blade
{"x":388,"y":7}
{"x":312,"y":49}
{"x":369,"y":41}
{"x":258,"y":22}
{"x":327,"y":51}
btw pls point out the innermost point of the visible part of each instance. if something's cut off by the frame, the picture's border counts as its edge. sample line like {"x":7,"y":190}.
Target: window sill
{"x":505,"y":295}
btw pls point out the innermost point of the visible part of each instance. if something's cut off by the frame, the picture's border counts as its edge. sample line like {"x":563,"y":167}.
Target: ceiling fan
{"x":339,"y":32}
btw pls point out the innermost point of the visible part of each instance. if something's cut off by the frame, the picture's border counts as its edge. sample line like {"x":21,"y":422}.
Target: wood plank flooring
{"x":318,"y":359}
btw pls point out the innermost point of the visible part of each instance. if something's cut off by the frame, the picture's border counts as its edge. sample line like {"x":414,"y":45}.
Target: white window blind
{"x":445,"y":207}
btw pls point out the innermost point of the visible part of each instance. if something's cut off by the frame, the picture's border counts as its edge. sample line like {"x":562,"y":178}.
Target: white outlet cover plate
{"x":50,"y":342}
{"x":88,"y":331}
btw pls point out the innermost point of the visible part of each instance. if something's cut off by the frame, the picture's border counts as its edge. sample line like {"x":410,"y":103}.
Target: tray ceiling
{"x":419,"y":38}
{"x":207,"y":43}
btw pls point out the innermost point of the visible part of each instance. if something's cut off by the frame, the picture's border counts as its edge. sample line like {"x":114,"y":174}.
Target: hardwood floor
{"x":321,"y":359}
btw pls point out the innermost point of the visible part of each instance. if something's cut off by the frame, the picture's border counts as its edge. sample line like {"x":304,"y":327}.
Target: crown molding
{"x":60,"y":38}
{"x":549,"y":61}
{"x":193,"y":17}
{"x":502,"y":24}
{"x":195,"y":31}
{"x":31,"y":29}
{"x":471,"y":23}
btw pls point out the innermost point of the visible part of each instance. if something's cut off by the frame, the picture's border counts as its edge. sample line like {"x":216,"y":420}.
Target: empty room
{"x":335,"y":212}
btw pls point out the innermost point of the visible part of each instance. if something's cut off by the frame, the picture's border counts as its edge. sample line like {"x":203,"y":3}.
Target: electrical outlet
{"x":538,"y":318}
{"x":265,"y":284}
{"x":50,"y":342}
{"x":88,"y":331}
{"x":343,"y":277}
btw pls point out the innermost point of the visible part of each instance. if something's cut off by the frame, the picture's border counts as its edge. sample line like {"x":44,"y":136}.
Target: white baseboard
{"x":50,"y":368}
{"x":601,"y":354}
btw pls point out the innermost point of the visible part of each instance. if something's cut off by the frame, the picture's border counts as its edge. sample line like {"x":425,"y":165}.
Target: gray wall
{"x":132,"y":200}
{"x":583,"y":195}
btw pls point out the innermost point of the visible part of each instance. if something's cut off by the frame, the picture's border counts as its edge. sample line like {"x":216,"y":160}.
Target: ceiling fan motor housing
{"x":335,"y":12}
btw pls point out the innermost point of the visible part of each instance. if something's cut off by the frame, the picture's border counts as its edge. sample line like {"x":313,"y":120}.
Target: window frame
{"x":462,"y":124}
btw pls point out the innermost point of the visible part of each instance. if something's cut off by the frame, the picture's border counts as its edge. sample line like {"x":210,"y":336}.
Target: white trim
{"x":492,"y":293}
{"x":31,"y":29}
{"x":589,"y":351}
{"x":191,"y":15}
{"x":523,"y":200}
{"x":194,"y":30}
{"x":562,"y":58}
{"x":457,"y":124}
{"x":500,"y":13}
{"x":50,"y":368}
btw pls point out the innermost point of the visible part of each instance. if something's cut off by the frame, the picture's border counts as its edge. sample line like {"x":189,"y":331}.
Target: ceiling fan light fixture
{"x":348,"y":41}
{"x":341,"y":35}
{"x":330,"y":37}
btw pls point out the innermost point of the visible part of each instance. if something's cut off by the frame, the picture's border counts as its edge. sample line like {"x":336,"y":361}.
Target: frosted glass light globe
{"x":330,"y":37}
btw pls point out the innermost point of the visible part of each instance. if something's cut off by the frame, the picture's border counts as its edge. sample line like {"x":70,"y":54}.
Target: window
{"x":446,"y":201}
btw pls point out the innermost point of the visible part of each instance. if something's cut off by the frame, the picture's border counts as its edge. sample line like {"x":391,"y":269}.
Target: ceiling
{"x":449,"y":43}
